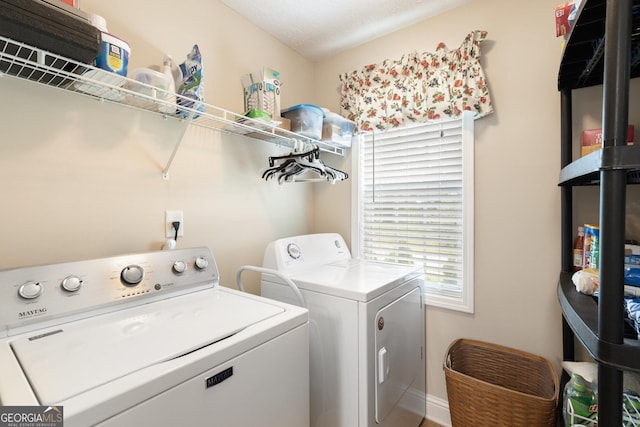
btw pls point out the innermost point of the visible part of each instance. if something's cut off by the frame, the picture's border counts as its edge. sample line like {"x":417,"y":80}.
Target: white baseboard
{"x":438,"y":411}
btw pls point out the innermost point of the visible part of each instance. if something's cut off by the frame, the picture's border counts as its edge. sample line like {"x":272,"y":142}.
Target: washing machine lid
{"x":355,"y":279}
{"x":73,"y":358}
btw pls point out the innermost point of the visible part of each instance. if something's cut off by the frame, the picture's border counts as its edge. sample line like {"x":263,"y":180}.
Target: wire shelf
{"x":29,"y":63}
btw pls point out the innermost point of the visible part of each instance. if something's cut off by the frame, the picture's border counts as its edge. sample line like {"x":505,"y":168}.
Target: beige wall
{"x":517,"y":204}
{"x":82,"y":179}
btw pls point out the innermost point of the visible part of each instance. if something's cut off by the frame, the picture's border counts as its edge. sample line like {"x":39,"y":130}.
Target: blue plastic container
{"x":114,"y":54}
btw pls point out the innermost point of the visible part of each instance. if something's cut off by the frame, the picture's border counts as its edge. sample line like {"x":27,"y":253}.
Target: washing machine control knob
{"x":71,"y":283}
{"x":131,"y":275}
{"x":179,"y":267}
{"x":294,"y":250}
{"x":201,"y":263}
{"x":30,"y":290}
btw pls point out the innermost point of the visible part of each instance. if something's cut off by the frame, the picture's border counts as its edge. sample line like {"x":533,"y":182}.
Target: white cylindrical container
{"x":99,"y":22}
{"x":170,"y":107}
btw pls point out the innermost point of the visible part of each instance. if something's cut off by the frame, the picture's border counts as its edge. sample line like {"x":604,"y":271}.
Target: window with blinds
{"x":415,"y":205}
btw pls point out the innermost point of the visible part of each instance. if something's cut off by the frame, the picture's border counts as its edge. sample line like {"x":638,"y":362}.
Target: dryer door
{"x":398,"y":340}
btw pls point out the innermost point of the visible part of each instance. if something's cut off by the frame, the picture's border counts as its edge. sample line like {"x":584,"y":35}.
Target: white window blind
{"x":415,"y":205}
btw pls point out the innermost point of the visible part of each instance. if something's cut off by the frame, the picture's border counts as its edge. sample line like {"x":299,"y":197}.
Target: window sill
{"x":449,"y":303}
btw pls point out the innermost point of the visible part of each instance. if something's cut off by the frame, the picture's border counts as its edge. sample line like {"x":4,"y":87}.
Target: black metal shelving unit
{"x":603,"y":49}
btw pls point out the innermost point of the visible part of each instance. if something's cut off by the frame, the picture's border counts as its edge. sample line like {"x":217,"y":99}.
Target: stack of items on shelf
{"x":632,"y":286}
{"x":310,"y":122}
{"x":111,"y":63}
{"x":151,"y":88}
{"x":320,"y":124}
{"x":565,"y":18}
{"x":632,"y":312}
{"x":586,"y":259}
{"x":262,"y":93}
{"x":60,"y":28}
{"x":53,"y":26}
{"x":262,"y":101}
{"x":592,"y":140}
{"x":98,"y":57}
{"x":580,"y":397}
{"x":632,"y":268}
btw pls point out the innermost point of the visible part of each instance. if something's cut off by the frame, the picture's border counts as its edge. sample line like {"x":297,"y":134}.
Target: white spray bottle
{"x":170,"y":106}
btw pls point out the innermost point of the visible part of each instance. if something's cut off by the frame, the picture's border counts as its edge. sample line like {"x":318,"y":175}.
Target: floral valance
{"x":419,"y":87}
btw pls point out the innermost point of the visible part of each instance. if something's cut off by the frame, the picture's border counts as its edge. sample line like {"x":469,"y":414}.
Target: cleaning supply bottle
{"x":578,"y":250}
{"x":169,"y":106}
{"x":580,"y":403}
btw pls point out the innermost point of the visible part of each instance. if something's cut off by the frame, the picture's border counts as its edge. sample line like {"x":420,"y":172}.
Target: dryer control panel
{"x":292,"y":253}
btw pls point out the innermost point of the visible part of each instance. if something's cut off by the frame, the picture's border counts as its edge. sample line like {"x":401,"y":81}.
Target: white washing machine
{"x":150,"y":339}
{"x":367,"y":336}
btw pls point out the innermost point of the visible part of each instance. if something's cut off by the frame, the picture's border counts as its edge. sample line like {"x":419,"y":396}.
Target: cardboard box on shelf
{"x":268,"y":127}
{"x":565,"y":15}
{"x":592,"y":139}
{"x":284,"y":123}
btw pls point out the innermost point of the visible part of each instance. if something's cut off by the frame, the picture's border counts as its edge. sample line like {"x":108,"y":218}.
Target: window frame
{"x":433,"y":296}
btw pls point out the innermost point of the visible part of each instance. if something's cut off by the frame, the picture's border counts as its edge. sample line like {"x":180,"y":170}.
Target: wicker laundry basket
{"x":492,"y":385}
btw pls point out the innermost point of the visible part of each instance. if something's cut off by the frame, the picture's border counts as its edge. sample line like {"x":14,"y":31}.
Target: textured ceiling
{"x":320,"y":28}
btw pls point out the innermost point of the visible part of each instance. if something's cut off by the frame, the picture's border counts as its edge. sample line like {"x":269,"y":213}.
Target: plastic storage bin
{"x":155,"y":85}
{"x":149,"y":77}
{"x":337,"y":130}
{"x":306,"y":120}
{"x":492,"y":385}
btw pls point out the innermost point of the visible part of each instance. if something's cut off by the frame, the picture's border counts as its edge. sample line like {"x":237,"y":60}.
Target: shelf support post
{"x":566,"y":192}
{"x":165,"y":172}
{"x":613,"y":183}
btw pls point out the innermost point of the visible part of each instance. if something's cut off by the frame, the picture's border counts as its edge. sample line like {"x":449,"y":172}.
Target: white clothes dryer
{"x":367,"y":323}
